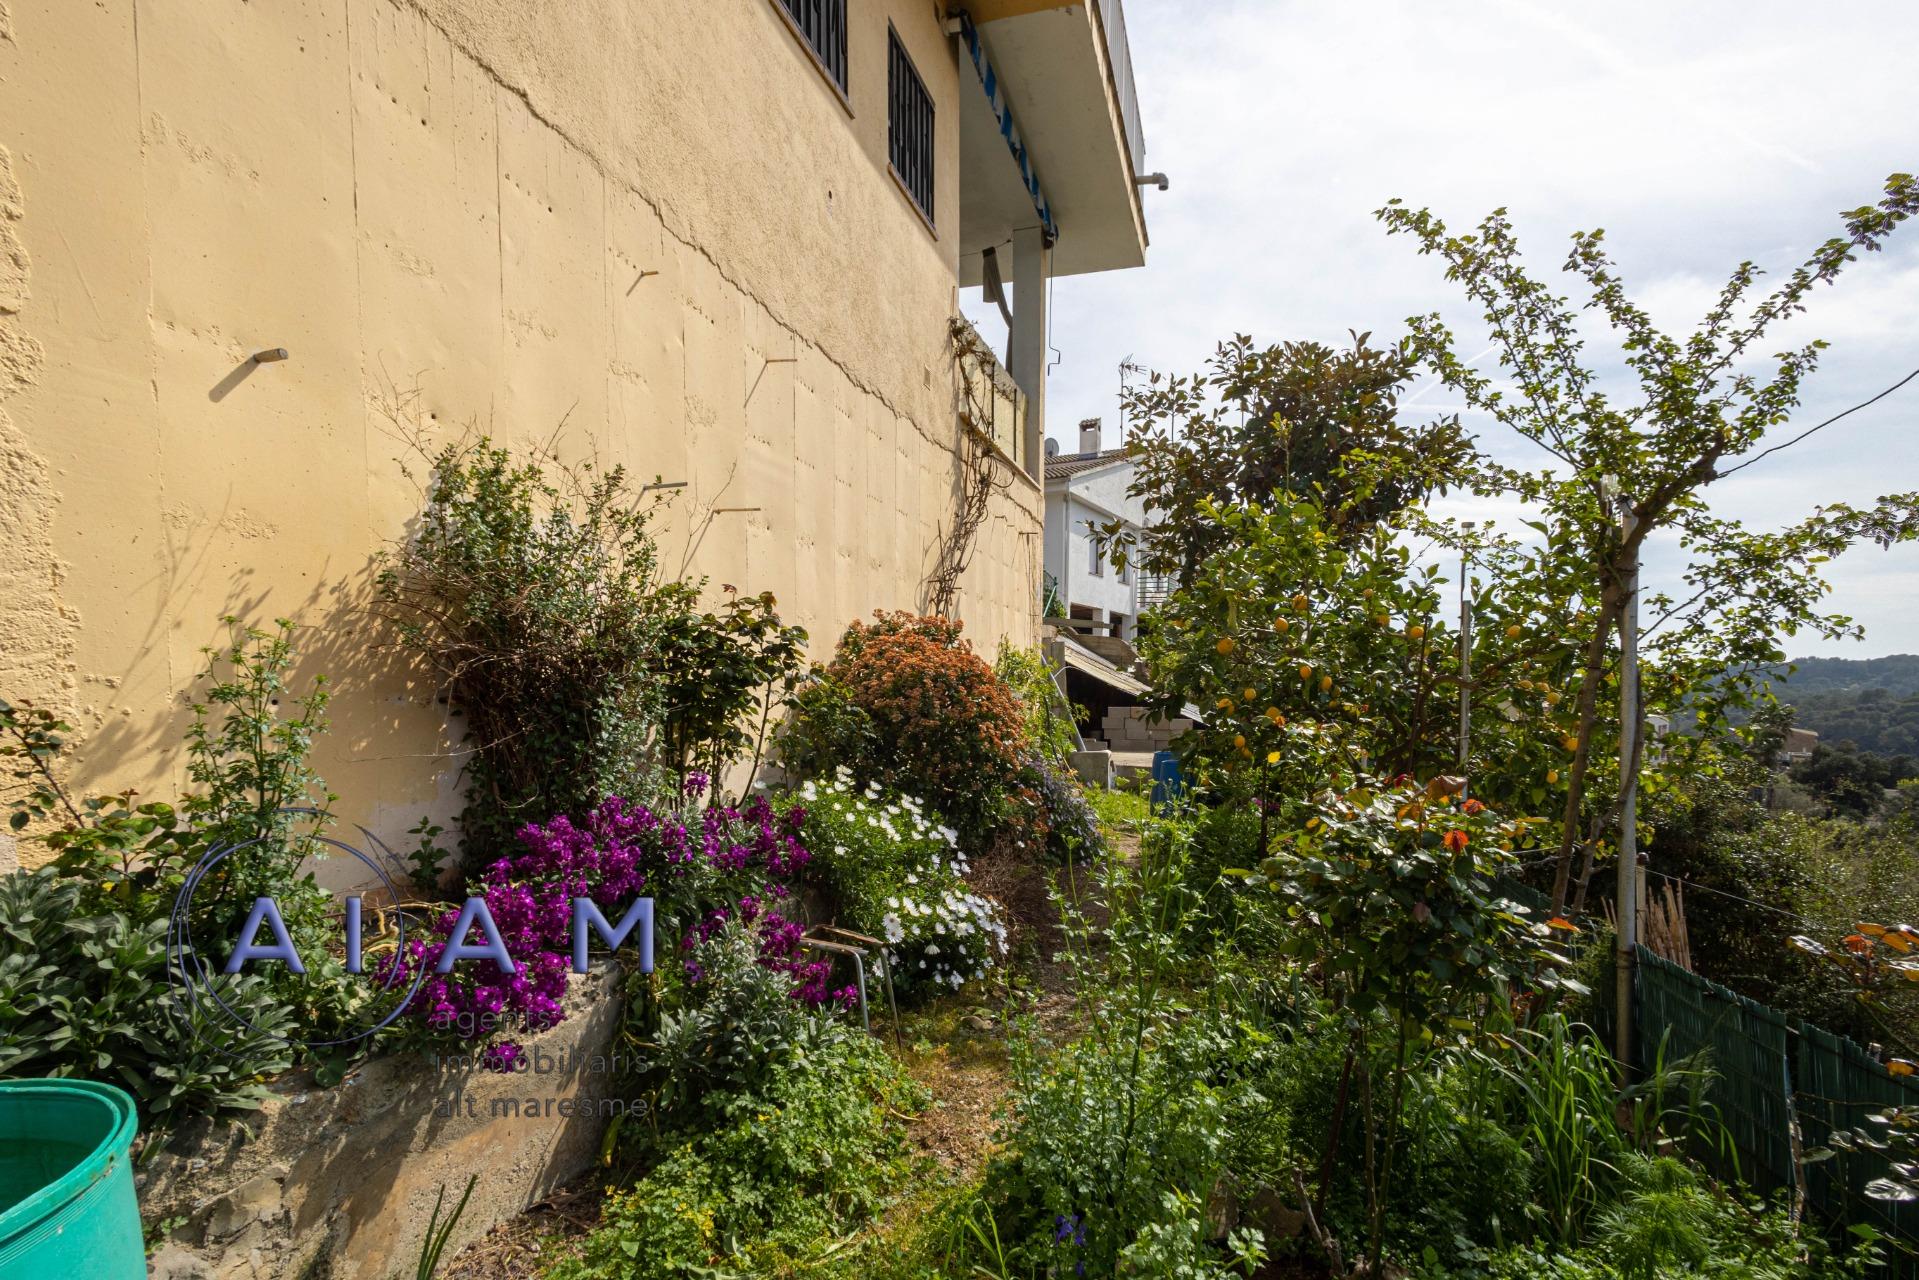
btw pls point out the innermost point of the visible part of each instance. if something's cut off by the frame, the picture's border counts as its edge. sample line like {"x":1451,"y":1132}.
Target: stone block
{"x":1095,"y":768}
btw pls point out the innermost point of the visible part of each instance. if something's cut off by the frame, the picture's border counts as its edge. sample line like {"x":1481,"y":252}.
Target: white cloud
{"x":1698,"y":135}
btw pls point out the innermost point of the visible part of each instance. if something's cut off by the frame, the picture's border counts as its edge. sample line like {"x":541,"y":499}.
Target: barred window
{"x":909,"y":125}
{"x":822,"y":24}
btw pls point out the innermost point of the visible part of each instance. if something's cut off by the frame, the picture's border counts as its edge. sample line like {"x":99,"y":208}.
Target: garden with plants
{"x":1339,"y":1003}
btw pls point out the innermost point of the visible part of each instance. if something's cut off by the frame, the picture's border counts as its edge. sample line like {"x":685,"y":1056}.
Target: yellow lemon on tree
{"x":1570,"y":742}
{"x":1416,"y":632}
{"x":1301,"y":603}
{"x":1272,"y":757}
{"x":1325,"y":683}
{"x":1305,"y":672}
{"x":1226,"y":644}
{"x":1239,"y":739}
{"x":1552,"y":776}
{"x":1514,"y":632}
{"x":1250,"y":694}
{"x":1225,"y":704}
{"x":1382,"y":621}
{"x":1275,"y":715}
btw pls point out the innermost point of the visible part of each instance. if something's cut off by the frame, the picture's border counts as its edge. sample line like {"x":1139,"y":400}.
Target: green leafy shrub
{"x":536,"y":597}
{"x":720,"y":1031}
{"x":89,"y":995}
{"x":93,"y":993}
{"x":1386,"y":891}
{"x":1048,"y":716}
{"x":907,"y":704}
{"x":1178,"y":1246}
{"x":535,"y":592}
{"x":1660,"y":1220}
{"x":1099,"y":1140}
{"x":1226,"y":836}
{"x":248,"y":762}
{"x":1668,"y":1223}
{"x":895,"y":874}
{"x":123,"y":853}
{"x":1741,"y":867}
{"x":256,"y":791}
{"x":772,"y":1172}
{"x":1072,"y":825}
{"x":1462,"y":1180}
{"x":725,"y":670}
{"x":1114,"y":1135}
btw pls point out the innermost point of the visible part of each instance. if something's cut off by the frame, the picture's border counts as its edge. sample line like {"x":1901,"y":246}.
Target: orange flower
{"x":1472,"y":806}
{"x":1455,"y":840}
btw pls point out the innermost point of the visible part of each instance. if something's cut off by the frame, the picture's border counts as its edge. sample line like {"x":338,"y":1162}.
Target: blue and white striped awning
{"x":1003,"y":112}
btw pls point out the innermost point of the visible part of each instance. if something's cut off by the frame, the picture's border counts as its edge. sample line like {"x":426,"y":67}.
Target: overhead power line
{"x":1820,"y":426}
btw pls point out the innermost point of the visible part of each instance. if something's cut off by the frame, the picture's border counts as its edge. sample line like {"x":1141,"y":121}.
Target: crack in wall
{"x":667,"y":220}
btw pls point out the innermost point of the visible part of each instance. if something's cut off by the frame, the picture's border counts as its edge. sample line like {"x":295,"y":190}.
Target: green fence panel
{"x":1839,"y":1084}
{"x":1748,"y":1046}
{"x":1775,"y":1075}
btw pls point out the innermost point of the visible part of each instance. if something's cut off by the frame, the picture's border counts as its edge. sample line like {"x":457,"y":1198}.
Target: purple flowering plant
{"x":702,"y":866}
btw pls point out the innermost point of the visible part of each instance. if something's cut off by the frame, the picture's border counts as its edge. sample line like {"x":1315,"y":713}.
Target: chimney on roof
{"x":1089,"y":436}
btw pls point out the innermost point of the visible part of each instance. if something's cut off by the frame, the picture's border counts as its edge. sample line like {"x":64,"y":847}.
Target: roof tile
{"x":1071,"y":464}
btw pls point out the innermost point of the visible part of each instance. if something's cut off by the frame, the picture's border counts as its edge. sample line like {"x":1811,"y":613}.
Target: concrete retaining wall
{"x":340,"y":1183}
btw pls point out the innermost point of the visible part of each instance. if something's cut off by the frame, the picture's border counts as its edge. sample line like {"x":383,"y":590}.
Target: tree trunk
{"x":1615,"y":811}
{"x":1331,"y":1155}
{"x":1588,"y":718}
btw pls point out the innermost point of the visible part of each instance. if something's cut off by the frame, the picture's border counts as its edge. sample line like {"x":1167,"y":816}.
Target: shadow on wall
{"x":384,"y":713}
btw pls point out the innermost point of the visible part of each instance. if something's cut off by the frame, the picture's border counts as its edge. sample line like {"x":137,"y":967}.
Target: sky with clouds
{"x":1697,"y":135}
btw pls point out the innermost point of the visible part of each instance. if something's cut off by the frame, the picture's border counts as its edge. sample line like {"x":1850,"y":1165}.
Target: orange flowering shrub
{"x":907,"y":703}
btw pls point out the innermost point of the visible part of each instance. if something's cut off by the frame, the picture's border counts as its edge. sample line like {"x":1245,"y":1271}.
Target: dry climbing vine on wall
{"x":980,"y":479}
{"x":980,"y":385}
{"x":976,"y":375}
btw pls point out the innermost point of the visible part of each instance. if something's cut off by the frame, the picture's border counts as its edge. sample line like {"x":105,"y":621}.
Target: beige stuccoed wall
{"x":649,"y":230}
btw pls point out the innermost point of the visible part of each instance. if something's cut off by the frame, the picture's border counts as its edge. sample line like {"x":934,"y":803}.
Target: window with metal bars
{"x":822,"y":24}
{"x":909,"y":125}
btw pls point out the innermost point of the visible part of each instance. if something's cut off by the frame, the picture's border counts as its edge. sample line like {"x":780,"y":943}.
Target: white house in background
{"x":1084,"y":492}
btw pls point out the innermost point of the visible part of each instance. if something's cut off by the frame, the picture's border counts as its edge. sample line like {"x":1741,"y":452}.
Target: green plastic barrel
{"x":67,"y":1207}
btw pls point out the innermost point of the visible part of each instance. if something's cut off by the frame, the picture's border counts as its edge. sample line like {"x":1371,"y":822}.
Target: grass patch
{"x":1120,"y":810}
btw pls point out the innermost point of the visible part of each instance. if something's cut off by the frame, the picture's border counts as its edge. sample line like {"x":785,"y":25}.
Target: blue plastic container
{"x":67,"y":1208}
{"x":1169,"y":785}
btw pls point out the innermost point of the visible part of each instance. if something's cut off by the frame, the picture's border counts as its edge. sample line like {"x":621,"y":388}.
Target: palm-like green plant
{"x":1660,"y":1220}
